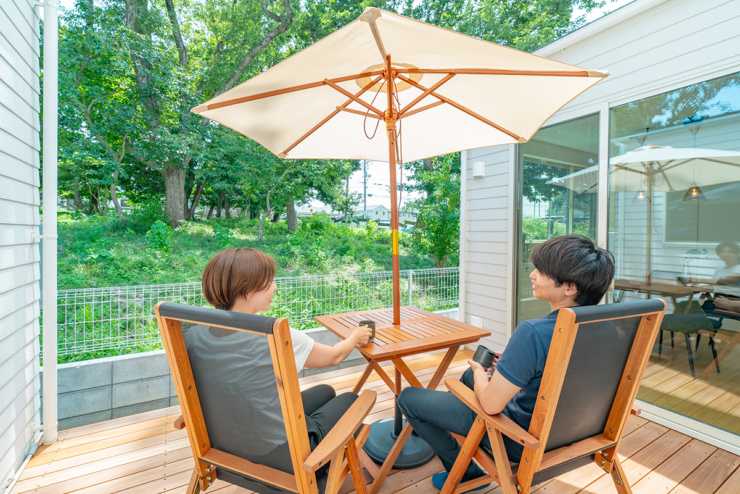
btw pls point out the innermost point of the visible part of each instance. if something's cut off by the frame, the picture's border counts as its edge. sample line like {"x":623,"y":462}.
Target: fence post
{"x":411,"y":277}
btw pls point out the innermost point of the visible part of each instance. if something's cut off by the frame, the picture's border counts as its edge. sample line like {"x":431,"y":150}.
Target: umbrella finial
{"x":370,"y":15}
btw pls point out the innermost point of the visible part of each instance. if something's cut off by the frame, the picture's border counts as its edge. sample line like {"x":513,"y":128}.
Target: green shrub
{"x":145,"y":215}
{"x":223,"y":236}
{"x":159,"y":237}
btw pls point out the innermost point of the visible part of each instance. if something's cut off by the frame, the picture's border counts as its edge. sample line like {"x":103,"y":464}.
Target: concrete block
{"x":82,"y":420}
{"x":132,"y":393}
{"x":174,"y":401}
{"x":353,"y":362}
{"x":173,"y":390}
{"x":323,"y":336}
{"x":313,"y":372}
{"x":83,"y":375}
{"x":134,"y":367}
{"x":84,"y":402}
{"x":140,"y":408}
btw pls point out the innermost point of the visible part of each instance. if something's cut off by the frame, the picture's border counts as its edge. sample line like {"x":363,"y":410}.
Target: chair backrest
{"x":238,"y":389}
{"x":593,"y":370}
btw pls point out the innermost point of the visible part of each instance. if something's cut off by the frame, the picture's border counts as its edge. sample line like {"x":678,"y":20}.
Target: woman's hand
{"x":361,"y":335}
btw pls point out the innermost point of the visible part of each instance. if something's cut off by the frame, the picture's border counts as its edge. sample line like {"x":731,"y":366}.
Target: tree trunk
{"x":174,"y":184}
{"x":114,"y":197}
{"x":102,"y":201}
{"x":219,"y":204}
{"x":94,"y":199}
{"x":276,"y":217}
{"x":116,"y":204}
{"x":226,"y":207}
{"x":292,"y":217}
{"x":259,"y":228}
{"x":210,"y":212}
{"x":196,"y":198}
{"x":76,"y":189}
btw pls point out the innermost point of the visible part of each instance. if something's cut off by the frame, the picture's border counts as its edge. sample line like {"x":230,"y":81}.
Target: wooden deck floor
{"x":146,"y":454}
{"x":713,"y":398}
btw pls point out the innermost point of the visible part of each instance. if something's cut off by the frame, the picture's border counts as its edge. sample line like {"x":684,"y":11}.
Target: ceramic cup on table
{"x":371,"y":325}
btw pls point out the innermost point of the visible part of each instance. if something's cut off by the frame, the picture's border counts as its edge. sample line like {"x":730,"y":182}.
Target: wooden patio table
{"x":420,"y":331}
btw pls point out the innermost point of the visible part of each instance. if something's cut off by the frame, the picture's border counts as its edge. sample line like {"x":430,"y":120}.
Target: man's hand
{"x":477,"y":368}
{"x":361,"y":335}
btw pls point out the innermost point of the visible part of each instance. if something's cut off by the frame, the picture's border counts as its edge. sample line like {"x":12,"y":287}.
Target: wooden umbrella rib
{"x":356,"y":99}
{"x":423,"y":108}
{"x":463,"y":109}
{"x":378,"y":41}
{"x":426,"y":93}
{"x":330,"y":116}
{"x":358,"y":112}
{"x":277,"y":92}
{"x":550,"y":73}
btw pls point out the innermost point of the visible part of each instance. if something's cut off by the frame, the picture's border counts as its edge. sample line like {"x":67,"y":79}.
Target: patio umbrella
{"x":658,"y":169}
{"x":435,"y":92}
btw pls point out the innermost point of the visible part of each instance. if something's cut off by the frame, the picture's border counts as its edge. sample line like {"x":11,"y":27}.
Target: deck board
{"x":145,"y":454}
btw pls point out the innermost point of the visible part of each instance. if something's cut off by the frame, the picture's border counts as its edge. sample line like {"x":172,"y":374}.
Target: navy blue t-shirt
{"x":522,"y":364}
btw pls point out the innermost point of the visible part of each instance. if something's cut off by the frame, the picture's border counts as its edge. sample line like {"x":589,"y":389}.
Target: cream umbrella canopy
{"x":435,"y":90}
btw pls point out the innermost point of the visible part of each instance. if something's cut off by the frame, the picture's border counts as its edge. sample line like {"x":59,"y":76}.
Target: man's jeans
{"x":435,"y":414}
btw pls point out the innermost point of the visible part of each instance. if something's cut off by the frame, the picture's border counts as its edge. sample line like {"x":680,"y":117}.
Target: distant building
{"x":381,"y":213}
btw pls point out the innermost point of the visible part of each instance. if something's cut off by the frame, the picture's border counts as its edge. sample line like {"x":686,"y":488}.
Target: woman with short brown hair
{"x":241,"y":280}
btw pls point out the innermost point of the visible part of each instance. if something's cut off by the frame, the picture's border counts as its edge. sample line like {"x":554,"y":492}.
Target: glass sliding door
{"x":674,"y":229}
{"x":558,"y":188}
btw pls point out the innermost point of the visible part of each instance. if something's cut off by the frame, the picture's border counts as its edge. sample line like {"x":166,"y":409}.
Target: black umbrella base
{"x":415,"y":453}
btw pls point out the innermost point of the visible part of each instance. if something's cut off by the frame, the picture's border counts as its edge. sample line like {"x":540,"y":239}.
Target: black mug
{"x":484,"y":356}
{"x":371,"y":325}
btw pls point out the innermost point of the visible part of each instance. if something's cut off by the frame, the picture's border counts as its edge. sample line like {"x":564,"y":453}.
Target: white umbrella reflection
{"x":651,"y":169}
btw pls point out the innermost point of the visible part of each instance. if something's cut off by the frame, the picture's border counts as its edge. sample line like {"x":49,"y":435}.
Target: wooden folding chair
{"x":340,"y":446}
{"x":593,"y":371}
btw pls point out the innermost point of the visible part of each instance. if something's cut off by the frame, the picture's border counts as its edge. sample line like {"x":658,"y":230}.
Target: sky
{"x":379,"y":173}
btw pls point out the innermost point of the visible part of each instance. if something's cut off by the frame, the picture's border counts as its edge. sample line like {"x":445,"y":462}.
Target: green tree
{"x":522,"y":24}
{"x":438,"y":210}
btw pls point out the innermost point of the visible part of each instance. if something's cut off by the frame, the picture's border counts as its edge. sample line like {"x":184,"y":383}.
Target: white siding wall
{"x":673,"y":44}
{"x":487,"y":227}
{"x":19,"y":219}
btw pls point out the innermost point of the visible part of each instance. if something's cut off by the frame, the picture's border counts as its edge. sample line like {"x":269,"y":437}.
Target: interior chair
{"x":275,"y":418}
{"x":689,"y":318}
{"x":594,"y":367}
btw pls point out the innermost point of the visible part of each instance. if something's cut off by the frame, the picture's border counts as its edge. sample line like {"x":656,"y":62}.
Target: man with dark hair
{"x":569,"y":271}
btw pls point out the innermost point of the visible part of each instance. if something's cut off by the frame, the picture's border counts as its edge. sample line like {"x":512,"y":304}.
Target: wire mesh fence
{"x":96,"y":319}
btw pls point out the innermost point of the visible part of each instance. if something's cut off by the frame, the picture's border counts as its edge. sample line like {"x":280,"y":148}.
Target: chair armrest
{"x":180,"y":423}
{"x":499,"y":421}
{"x":341,"y":433}
{"x":725,"y":312}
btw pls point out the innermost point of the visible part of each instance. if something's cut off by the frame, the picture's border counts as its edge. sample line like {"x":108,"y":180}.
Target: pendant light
{"x":694,"y":193}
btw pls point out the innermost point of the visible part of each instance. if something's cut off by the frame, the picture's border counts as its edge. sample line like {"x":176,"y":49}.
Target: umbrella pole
{"x":390,"y":126}
{"x":384,"y":433}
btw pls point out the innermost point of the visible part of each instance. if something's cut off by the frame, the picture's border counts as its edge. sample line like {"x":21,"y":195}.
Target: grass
{"x":103,"y":251}
{"x":99,"y":252}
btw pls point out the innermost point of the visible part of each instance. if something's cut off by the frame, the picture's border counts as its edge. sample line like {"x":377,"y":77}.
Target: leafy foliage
{"x":159,"y":237}
{"x":96,"y":251}
{"x":438,"y":211}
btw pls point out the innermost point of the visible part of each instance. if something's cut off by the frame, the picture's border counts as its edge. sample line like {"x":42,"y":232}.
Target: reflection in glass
{"x":674,"y":229}
{"x":558,"y":189}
